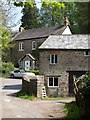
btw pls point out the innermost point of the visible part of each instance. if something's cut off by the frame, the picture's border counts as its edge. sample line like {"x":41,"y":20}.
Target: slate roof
{"x":67,"y":42}
{"x":38,"y":32}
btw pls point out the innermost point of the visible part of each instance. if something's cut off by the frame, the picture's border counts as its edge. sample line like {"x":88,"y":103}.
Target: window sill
{"x":34,"y":49}
{"x":53,"y":86}
{"x":53,"y":63}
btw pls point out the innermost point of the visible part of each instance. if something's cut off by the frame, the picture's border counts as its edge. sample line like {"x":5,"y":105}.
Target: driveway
{"x":13,"y":107}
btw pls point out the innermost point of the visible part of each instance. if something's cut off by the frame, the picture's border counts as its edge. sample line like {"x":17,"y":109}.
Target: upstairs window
{"x":21,"y":46}
{"x":87,"y":53}
{"x":33,"y":45}
{"x":53,"y":59}
{"x":53,"y":82}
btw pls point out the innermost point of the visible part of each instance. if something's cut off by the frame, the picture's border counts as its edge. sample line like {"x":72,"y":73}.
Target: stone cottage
{"x":25,"y":52}
{"x":61,"y":58}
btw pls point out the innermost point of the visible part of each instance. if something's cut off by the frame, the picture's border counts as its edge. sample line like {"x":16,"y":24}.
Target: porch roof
{"x":29,"y":55}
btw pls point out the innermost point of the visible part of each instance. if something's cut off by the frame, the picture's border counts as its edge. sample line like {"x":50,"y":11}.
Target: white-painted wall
{"x":67,"y":31}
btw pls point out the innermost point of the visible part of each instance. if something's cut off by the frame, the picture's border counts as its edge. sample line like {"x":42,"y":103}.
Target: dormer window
{"x":21,"y":46}
{"x":33,"y":45}
{"x":87,"y":53}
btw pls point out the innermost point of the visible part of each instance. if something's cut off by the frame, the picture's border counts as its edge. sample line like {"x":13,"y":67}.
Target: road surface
{"x":13,"y":107}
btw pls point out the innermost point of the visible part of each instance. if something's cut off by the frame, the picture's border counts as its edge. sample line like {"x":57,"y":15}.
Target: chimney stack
{"x":21,"y":29}
{"x":66,"y":21}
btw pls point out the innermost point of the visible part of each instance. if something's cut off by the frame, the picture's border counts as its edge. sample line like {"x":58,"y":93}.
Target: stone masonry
{"x":33,"y":85}
{"x":68,"y":60}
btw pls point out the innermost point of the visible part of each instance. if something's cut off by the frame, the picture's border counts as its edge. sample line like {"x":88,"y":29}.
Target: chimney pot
{"x":21,"y":29}
{"x":66,"y":21}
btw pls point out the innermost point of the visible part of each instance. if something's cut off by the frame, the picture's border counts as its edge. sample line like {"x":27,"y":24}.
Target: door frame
{"x":71,"y":81}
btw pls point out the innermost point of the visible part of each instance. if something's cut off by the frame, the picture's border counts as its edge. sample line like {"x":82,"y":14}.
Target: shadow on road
{"x":12,"y":87}
{"x":63,"y":102}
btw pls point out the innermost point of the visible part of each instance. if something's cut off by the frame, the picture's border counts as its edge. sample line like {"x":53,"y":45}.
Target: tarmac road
{"x":13,"y":107}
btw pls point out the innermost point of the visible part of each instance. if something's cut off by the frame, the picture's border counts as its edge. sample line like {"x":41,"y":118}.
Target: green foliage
{"x":34,"y":71}
{"x":6,"y":67}
{"x":5,"y":38}
{"x":24,"y":95}
{"x":51,"y":13}
{"x":83,"y":20}
{"x":85,"y":88}
{"x":72,"y":111}
{"x":30,"y":18}
{"x":58,"y":98}
{"x":3,"y":75}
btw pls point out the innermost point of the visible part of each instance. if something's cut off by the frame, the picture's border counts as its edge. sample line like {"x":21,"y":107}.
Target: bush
{"x":83,"y":98}
{"x":6,"y":67}
{"x":85,"y":90}
{"x":72,"y":111}
{"x":24,"y":95}
{"x":34,"y":71}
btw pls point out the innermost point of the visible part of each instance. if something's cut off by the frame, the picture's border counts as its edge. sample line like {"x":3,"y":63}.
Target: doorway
{"x":27,"y":65}
{"x":71,"y":81}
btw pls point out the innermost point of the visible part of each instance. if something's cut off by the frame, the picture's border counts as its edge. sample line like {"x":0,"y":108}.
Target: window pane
{"x":55,"y":58}
{"x":33,"y":45}
{"x":52,"y":59}
{"x":87,"y":53}
{"x":50,"y":81}
{"x":22,"y":46}
{"x":55,"y":81}
{"x":30,"y":63}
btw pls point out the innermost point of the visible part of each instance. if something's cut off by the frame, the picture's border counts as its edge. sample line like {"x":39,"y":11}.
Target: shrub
{"x":34,"y":71}
{"x":72,"y":111}
{"x":83,"y":98}
{"x":85,"y":89}
{"x":7,"y":67}
{"x":24,"y":95}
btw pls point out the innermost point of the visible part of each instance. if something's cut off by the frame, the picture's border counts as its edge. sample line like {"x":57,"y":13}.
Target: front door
{"x":27,"y":65}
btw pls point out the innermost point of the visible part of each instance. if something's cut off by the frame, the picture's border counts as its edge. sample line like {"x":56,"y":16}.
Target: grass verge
{"x":72,"y":111}
{"x":58,"y":98}
{"x":24,"y":95}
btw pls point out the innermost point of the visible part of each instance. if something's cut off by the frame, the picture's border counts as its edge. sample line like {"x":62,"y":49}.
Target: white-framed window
{"x":33,"y":45}
{"x":52,"y":81}
{"x":21,"y":46}
{"x":87,"y":53}
{"x":53,"y":59}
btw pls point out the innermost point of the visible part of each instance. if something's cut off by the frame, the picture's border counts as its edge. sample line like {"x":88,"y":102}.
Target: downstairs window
{"x":53,"y":82}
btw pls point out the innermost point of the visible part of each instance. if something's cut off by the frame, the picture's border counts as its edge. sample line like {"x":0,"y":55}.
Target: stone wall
{"x":16,"y":55}
{"x":33,"y":85}
{"x":68,"y":60}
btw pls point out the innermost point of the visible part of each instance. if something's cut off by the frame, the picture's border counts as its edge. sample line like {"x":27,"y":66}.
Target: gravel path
{"x":13,"y":107}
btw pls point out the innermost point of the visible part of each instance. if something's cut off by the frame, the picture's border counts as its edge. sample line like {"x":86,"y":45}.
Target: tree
{"x":5,"y":33}
{"x":5,"y":38}
{"x":30,"y":18}
{"x":51,"y":13}
{"x":83,"y":17}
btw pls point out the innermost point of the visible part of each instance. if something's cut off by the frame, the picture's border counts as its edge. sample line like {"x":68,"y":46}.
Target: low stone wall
{"x":33,"y":85}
